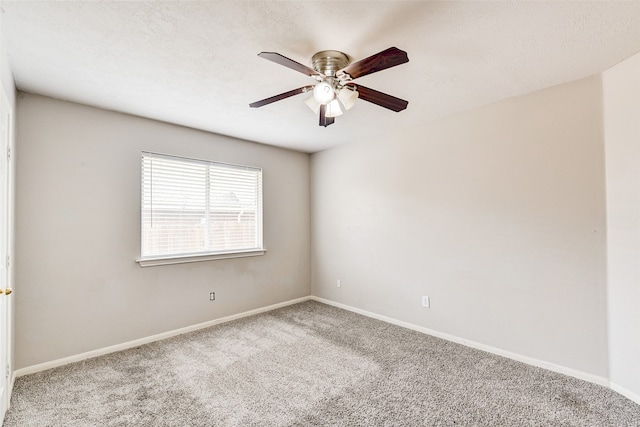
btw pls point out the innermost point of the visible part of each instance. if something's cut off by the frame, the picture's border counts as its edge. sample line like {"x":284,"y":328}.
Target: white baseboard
{"x":135,"y":343}
{"x":490,"y":349}
{"x":626,"y":393}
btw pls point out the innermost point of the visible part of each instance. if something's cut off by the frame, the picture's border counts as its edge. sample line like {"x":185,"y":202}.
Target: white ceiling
{"x":195,"y":63}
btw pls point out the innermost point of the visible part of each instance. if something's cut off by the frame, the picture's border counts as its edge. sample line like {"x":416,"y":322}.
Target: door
{"x":5,"y":248}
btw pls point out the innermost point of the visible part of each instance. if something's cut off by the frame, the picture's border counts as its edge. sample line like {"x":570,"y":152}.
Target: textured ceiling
{"x":195,"y":63}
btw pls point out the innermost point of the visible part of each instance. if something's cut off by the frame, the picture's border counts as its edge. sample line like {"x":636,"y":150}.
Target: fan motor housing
{"x":328,"y":62}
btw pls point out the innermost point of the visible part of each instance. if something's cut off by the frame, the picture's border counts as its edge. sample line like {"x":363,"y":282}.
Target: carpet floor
{"x":310,"y":364}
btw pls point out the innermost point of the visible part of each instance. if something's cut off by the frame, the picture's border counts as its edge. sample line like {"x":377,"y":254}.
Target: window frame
{"x":187,"y":257}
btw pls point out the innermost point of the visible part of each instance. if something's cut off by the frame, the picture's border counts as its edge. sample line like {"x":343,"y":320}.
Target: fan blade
{"x":281,"y":96}
{"x":379,"y":98}
{"x":380,"y":61}
{"x":289,"y":63}
{"x":324,"y":120}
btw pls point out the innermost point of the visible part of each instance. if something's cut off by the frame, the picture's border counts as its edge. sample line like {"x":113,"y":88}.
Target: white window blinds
{"x":196,"y":207}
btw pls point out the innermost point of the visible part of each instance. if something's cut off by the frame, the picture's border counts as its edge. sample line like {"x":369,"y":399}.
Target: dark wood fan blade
{"x":379,"y":98}
{"x":380,"y":61}
{"x":324,"y":120}
{"x":281,"y":96}
{"x":289,"y":63}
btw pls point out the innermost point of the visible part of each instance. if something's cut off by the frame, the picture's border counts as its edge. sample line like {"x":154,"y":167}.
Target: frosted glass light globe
{"x":348,"y":97}
{"x":333,"y":109}
{"x":323,"y":93}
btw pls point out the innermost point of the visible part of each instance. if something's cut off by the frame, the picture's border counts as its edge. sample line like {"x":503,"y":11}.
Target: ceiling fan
{"x":334,"y":89}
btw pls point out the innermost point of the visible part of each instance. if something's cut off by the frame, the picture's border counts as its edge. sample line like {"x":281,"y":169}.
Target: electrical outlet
{"x":425,"y":302}
{"x":212,"y":296}
{"x":338,"y":284}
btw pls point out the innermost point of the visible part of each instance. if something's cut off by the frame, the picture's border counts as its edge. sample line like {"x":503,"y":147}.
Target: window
{"x":196,"y":210}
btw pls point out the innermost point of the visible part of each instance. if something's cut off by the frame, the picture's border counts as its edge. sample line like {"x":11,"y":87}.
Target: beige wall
{"x":78,"y":228}
{"x":497,"y":214}
{"x":6,"y":76}
{"x":621,"y":89}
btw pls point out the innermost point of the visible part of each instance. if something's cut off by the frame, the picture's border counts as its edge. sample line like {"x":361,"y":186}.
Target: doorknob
{"x":6,"y":291}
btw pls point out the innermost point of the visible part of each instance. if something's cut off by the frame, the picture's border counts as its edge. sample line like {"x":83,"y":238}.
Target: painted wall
{"x":621,"y":93}
{"x":6,"y":77}
{"x":78,"y":222}
{"x":497,"y":214}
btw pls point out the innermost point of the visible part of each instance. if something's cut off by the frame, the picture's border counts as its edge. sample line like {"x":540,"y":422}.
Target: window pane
{"x":192,"y":206}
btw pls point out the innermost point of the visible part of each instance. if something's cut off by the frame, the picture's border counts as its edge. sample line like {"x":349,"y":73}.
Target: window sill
{"x":166,"y":260}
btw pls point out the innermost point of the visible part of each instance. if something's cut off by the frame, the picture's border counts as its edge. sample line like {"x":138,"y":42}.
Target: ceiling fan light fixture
{"x":348,"y":97}
{"x":313,"y":104}
{"x":323,"y":93}
{"x":333,"y":109}
{"x":333,"y":92}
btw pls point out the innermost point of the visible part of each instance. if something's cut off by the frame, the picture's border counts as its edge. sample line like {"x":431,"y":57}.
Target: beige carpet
{"x":310,"y":365}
